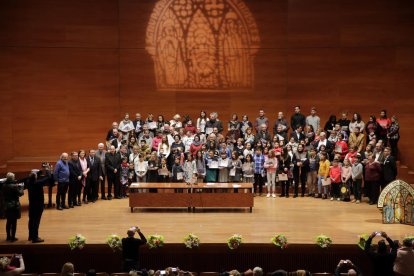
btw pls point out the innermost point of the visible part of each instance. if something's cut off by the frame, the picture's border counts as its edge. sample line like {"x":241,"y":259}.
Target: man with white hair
{"x":282,"y":123}
{"x":262,"y":135}
{"x":214,"y":122}
{"x":324,"y":142}
{"x":61,"y":176}
{"x":100,"y":154}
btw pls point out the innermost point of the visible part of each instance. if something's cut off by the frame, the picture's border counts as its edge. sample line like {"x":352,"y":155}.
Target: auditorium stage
{"x":300,"y":219}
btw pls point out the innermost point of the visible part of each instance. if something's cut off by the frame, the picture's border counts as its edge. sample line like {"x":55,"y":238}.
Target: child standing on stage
{"x":336,"y":180}
{"x":270,"y":164}
{"x":201,"y":166}
{"x":163,"y":172}
{"x":211,"y":167}
{"x":258,"y":171}
{"x":190,"y":169}
{"x":124,"y":176}
{"x":141,"y":169}
{"x":346,"y":174}
{"x":248,"y":169}
{"x":235,"y":167}
{"x":223,"y":167}
{"x":177,"y":170}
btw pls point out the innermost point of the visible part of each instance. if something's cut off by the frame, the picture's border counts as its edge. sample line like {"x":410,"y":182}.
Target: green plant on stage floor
{"x":280,"y":240}
{"x":191,"y":241}
{"x":323,"y":241}
{"x":77,"y":241}
{"x":155,"y":241}
{"x":114,"y":241}
{"x":234,"y":241}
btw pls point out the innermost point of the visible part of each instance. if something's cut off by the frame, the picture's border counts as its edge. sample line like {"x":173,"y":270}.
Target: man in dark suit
{"x":297,"y":119}
{"x":297,"y":134}
{"x":214,"y":122}
{"x":389,"y":167}
{"x":75,"y":176}
{"x":130,"y":249}
{"x":36,"y":202}
{"x":93,"y":177}
{"x":138,"y":124}
{"x":112,"y":165}
{"x":100,"y":154}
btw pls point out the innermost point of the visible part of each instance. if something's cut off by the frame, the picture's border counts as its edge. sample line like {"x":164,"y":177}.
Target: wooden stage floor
{"x":300,"y":219}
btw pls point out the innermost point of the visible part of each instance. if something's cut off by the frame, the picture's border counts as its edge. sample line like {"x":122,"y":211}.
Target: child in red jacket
{"x":336,"y":180}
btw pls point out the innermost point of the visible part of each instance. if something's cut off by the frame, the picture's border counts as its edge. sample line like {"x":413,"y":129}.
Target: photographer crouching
{"x":37,"y":200}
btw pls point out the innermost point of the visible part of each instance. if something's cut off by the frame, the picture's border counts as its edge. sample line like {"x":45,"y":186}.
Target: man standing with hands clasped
{"x":130,"y":249}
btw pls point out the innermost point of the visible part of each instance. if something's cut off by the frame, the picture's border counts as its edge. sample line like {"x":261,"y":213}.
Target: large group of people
{"x":317,"y":161}
{"x":345,"y":157}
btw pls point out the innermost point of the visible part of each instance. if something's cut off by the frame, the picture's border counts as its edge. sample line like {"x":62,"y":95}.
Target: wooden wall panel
{"x":63,"y":23}
{"x":70,"y":68}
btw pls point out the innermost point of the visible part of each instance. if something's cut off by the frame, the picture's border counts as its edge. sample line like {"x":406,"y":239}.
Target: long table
{"x":182,"y":195}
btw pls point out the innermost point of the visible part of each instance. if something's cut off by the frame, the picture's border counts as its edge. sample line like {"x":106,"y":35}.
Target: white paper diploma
{"x":152,"y":125}
{"x":213,"y":165}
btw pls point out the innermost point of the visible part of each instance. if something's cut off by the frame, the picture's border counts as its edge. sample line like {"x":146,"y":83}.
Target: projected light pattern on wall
{"x":202,"y":44}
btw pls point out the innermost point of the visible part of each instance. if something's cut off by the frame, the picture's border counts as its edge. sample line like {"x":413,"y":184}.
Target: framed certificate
{"x":232,"y":172}
{"x":209,"y":130}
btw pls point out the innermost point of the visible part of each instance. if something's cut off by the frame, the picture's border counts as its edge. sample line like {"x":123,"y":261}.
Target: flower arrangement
{"x":114,"y":242}
{"x":323,"y":241}
{"x":155,"y":241}
{"x":191,"y":241}
{"x":77,"y":241}
{"x":234,"y":241}
{"x":362,"y":240}
{"x":280,"y":240}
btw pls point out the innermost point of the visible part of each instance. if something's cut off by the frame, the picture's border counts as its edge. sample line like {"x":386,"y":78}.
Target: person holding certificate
{"x":224,"y":163}
{"x":212,"y":166}
{"x":258,"y":171}
{"x":271,"y":166}
{"x":300,"y":169}
{"x":323,"y":175}
{"x":177,"y":170}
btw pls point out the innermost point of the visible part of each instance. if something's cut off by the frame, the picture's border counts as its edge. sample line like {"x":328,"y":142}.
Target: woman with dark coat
{"x":12,"y":192}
